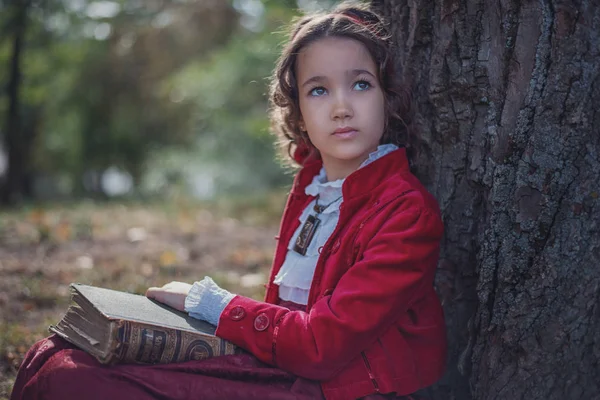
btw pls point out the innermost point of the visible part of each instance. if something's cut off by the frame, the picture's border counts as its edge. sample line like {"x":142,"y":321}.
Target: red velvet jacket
{"x":374,"y":322}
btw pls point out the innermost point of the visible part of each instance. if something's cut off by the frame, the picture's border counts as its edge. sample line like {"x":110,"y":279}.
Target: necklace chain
{"x":319,"y":209}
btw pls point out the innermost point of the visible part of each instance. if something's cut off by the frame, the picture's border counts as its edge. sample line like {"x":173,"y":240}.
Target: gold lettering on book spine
{"x":149,"y":344}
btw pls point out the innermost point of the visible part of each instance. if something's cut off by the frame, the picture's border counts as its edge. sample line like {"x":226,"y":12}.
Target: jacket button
{"x":237,"y":313}
{"x":261,"y":322}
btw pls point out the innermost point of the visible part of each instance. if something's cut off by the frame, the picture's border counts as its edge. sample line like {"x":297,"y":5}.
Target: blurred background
{"x":134,"y":150}
{"x":135,"y":98}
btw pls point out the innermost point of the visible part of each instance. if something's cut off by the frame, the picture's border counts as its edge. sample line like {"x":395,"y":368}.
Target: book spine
{"x":148,"y":344}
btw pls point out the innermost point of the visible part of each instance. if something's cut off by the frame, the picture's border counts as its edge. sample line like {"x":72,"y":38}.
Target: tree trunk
{"x":509,"y":105}
{"x":15,"y":143}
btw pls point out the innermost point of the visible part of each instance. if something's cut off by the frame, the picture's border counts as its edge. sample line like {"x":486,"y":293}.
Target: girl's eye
{"x":318,"y":91}
{"x":362,"y":85}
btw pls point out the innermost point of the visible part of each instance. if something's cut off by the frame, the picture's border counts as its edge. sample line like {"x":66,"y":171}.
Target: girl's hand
{"x":172,"y":294}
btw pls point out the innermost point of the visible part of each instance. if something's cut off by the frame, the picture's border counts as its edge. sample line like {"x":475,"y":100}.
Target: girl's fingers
{"x":157,"y":293}
{"x":173,"y":296}
{"x":151,"y":292}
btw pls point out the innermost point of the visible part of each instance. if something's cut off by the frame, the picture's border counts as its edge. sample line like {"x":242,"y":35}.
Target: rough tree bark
{"x":509,"y":99}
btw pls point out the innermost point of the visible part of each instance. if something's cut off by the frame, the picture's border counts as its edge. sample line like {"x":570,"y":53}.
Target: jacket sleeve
{"x":396,"y":264}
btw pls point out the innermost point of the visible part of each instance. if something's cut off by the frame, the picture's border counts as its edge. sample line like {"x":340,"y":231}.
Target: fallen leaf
{"x":63,"y":231}
{"x":37,"y":216}
{"x":167,"y":258}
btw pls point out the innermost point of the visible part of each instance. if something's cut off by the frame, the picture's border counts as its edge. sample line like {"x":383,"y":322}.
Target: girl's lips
{"x":345,"y":133}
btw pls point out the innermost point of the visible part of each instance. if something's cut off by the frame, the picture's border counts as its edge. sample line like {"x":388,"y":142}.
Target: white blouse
{"x":296,"y":273}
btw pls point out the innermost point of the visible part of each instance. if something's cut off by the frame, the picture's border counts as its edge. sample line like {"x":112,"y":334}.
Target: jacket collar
{"x":360,"y":181}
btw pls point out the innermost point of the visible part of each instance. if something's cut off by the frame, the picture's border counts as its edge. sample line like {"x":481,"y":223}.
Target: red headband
{"x":352,"y":18}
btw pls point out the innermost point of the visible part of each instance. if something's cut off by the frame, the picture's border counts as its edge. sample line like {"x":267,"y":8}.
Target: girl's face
{"x":341,"y":102}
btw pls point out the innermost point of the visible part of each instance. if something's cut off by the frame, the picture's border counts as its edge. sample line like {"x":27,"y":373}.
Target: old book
{"x":118,"y":327}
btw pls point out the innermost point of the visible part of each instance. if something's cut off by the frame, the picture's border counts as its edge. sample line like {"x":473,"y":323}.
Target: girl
{"x":350,"y":309}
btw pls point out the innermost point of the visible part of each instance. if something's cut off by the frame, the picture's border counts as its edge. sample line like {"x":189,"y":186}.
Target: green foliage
{"x":127,"y":87}
{"x":228,"y":93}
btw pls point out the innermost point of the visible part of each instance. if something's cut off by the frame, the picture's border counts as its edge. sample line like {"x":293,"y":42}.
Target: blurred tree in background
{"x":108,"y":97}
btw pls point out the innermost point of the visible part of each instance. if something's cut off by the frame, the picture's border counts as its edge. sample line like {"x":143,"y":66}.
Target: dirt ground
{"x":126,"y":247}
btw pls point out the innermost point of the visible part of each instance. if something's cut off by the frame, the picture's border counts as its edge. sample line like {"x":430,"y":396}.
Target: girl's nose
{"x":342,"y":108}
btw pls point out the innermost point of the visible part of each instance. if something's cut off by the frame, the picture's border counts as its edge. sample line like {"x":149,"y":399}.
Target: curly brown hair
{"x":348,"y":20}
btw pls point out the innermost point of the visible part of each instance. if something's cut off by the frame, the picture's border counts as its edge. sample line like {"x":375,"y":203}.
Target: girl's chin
{"x":348,"y":156}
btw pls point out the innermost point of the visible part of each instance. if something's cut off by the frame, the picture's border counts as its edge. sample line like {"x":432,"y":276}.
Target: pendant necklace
{"x":310,"y":226}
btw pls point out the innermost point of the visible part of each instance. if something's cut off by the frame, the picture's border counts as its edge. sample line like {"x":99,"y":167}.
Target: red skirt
{"x":53,"y":369}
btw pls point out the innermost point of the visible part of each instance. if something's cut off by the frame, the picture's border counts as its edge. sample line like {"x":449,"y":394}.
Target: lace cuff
{"x":206,"y":300}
